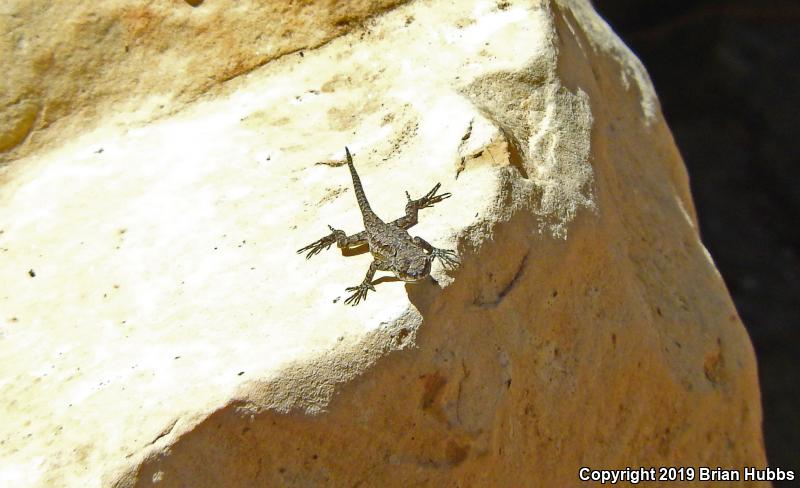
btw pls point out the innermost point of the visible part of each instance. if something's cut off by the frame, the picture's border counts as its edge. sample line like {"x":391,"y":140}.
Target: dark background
{"x":728,"y":76}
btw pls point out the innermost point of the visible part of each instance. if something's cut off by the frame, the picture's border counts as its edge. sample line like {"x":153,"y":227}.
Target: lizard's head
{"x":413,"y":268}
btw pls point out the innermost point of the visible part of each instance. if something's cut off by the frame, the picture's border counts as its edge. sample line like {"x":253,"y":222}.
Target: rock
{"x":744,"y":174}
{"x":81,"y":64}
{"x":172,"y":336}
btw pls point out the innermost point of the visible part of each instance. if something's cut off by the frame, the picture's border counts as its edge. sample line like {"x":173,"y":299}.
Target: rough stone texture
{"x":159,"y":329}
{"x":720,"y":67}
{"x":91,"y":60}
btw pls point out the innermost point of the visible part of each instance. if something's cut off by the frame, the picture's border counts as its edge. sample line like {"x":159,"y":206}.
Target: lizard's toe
{"x":448,"y":258}
{"x":359,"y":293}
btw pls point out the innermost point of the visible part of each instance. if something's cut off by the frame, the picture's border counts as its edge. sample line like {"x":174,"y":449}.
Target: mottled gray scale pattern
{"x":391,"y":246}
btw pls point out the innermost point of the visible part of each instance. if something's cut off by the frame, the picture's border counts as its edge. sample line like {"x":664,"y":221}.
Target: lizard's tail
{"x":363,"y":204}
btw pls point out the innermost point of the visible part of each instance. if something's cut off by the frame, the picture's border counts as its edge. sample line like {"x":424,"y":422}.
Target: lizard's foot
{"x":325,"y":243}
{"x":448,"y":258}
{"x":360,"y":293}
{"x":430,"y":198}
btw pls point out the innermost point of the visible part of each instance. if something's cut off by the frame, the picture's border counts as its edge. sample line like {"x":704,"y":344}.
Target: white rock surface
{"x":157,"y":326}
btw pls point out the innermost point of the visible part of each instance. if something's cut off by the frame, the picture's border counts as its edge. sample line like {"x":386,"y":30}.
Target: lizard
{"x":390,"y":244}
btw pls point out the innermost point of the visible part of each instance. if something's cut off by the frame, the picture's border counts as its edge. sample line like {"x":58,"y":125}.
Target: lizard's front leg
{"x":366,"y":285}
{"x":448,"y":258}
{"x":341,"y":239}
{"x":413,"y":207}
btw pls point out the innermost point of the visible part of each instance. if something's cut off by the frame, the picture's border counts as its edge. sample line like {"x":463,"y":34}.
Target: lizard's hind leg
{"x":413,"y":207}
{"x":341,"y":239}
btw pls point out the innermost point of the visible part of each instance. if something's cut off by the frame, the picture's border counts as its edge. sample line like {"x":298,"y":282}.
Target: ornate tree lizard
{"x":409,"y":258}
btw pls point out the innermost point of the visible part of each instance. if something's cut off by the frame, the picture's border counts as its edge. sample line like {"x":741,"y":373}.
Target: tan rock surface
{"x":158,"y":328}
{"x":84,"y":61}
